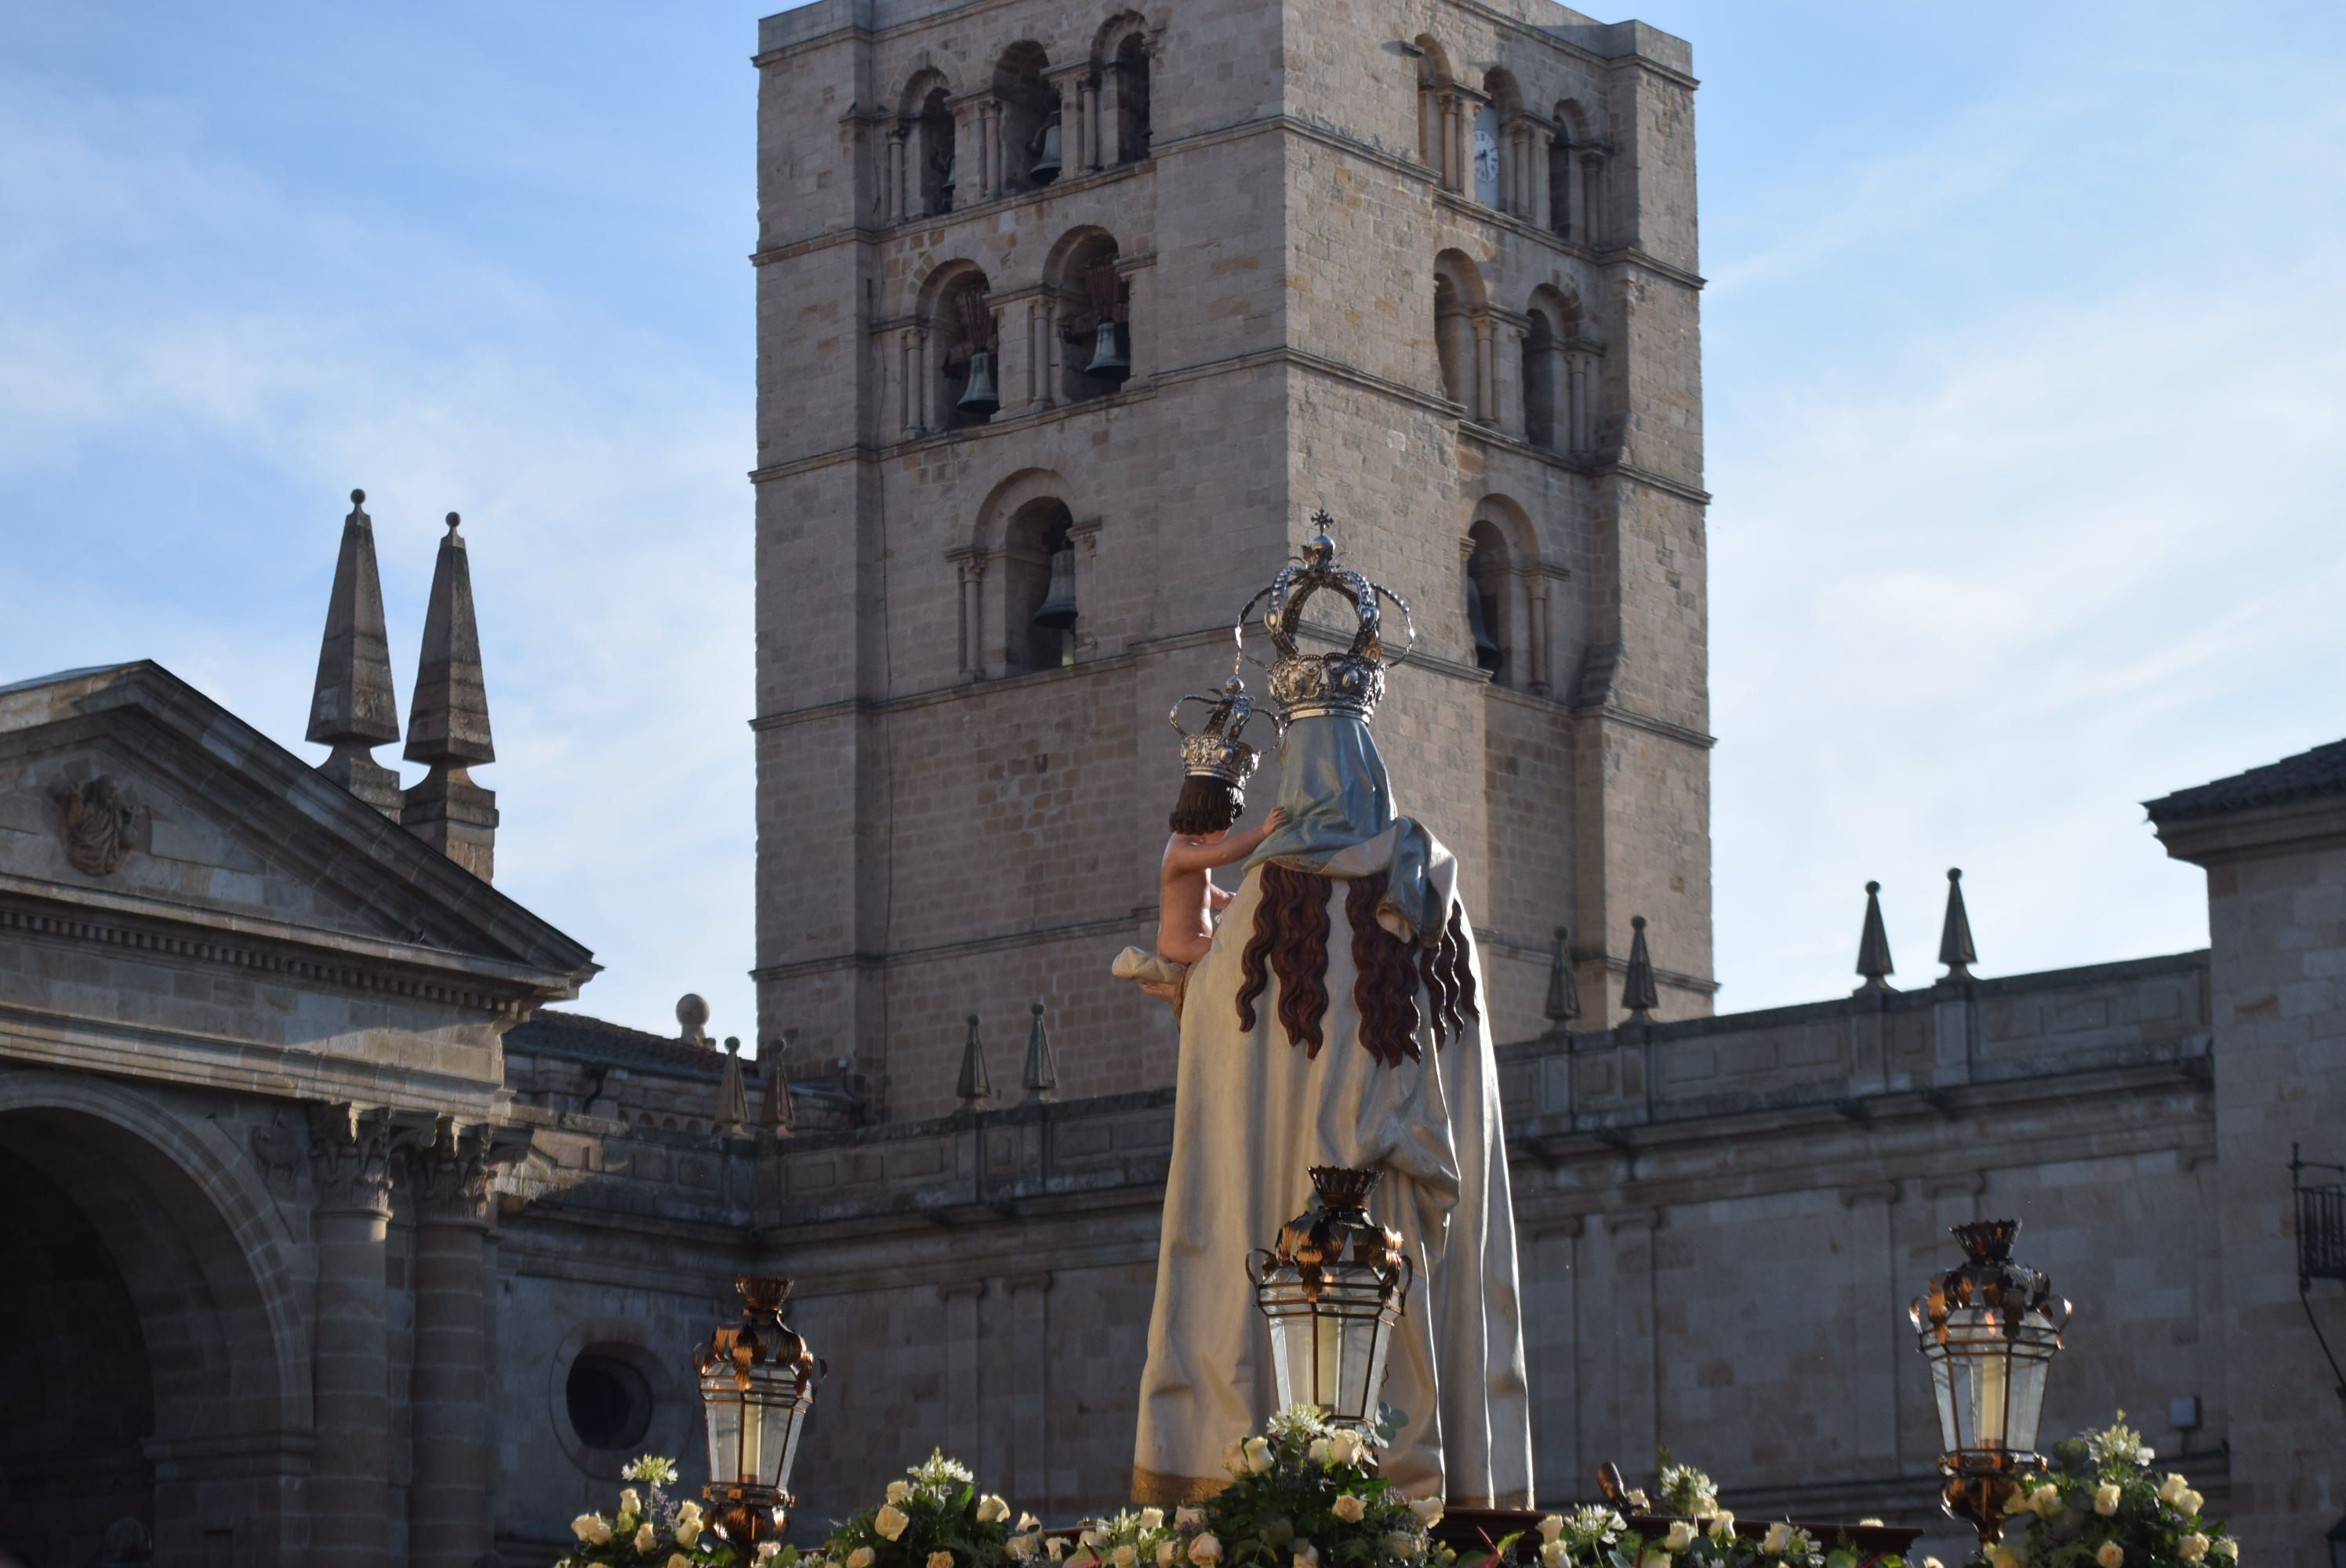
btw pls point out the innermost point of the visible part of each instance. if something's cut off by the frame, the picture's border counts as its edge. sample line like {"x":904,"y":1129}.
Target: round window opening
{"x":610,"y":1401}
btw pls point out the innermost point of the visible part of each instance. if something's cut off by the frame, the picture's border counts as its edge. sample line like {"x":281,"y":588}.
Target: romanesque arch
{"x":1087,"y":294}
{"x":1027,"y":521}
{"x":194,"y":1288}
{"x":1462,"y":332}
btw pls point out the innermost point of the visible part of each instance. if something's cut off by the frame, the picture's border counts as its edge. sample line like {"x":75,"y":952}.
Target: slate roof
{"x":2309,"y":774}
{"x":576,"y":1035}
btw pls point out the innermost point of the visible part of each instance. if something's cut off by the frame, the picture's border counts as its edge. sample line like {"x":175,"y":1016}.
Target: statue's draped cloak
{"x":1252,"y":1112}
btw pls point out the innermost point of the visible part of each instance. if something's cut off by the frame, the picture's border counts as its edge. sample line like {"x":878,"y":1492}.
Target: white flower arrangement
{"x":2099,"y":1503}
{"x":654,"y":1531}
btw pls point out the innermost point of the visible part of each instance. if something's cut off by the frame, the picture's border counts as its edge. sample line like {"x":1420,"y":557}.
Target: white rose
{"x":688,"y":1510}
{"x":1346,"y":1448}
{"x":771,"y":1549}
{"x":2227,"y":1547}
{"x":1307,"y":1557}
{"x":1152,"y":1519}
{"x":1094,"y":1539}
{"x":2105,"y":1499}
{"x":1680,"y":1537}
{"x":992,"y":1510}
{"x":2046,"y":1502}
{"x":629,"y":1503}
{"x":646,"y":1537}
{"x":890,"y":1522}
{"x":1427,"y":1509}
{"x":687,"y":1530}
{"x":1056,"y":1545}
{"x":591,"y":1528}
{"x":2144,"y":1455}
{"x":1401,"y":1548}
{"x":1126,"y":1557}
{"x":1257,"y":1459}
{"x":1722,"y":1526}
{"x":899,"y":1491}
{"x":1169,"y":1551}
{"x":1320,"y":1452}
{"x":1552,"y":1554}
{"x":2002,"y":1556}
{"x":2190,"y":1501}
{"x":940,"y":1560}
{"x":1022,"y":1547}
{"x":679,"y":1560}
{"x":1205,"y":1549}
{"x":1189,"y":1519}
{"x":1656,"y":1560}
{"x":2172,"y":1489}
{"x":1637,"y":1500}
{"x":1551,"y":1527}
{"x":1776,"y":1538}
{"x":1876,"y":1524}
{"x":1932,"y":1562}
{"x":1234,"y":1457}
{"x":2192,"y":1547}
{"x":860,"y":1557}
{"x":1027,"y":1521}
{"x":2110,"y":1554}
{"x":1348,"y":1508}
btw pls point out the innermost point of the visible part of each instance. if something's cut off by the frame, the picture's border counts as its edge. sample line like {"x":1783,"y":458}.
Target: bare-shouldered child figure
{"x":1216,"y":765}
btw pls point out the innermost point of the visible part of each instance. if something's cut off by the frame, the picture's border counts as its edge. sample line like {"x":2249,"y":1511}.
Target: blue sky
{"x":2025,"y":371}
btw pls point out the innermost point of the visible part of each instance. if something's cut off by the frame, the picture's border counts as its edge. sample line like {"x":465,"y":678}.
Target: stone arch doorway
{"x":144,"y":1356}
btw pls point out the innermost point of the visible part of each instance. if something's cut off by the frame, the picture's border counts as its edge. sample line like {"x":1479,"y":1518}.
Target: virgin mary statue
{"x":1335,"y":1021}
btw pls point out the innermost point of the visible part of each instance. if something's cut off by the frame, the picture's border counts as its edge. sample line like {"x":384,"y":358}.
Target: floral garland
{"x":936,"y":1519}
{"x":2100,"y":1505}
{"x":655,"y":1535}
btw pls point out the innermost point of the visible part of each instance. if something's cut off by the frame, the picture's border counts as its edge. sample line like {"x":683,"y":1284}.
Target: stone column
{"x":1535,"y":138}
{"x":1536,"y":591}
{"x":1567,"y":220}
{"x":900,"y":173}
{"x":973,"y":618}
{"x":1075,"y":123}
{"x":447,"y":1395}
{"x":1579,"y":428}
{"x":1485,"y":399}
{"x":1591,"y":199}
{"x":969,"y":153}
{"x":915,"y":363}
{"x":1429,"y":128}
{"x":350,"y":1476}
{"x":1453,"y":143}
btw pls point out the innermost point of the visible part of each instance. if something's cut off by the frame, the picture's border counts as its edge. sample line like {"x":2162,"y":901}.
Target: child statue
{"x":1216,"y":765}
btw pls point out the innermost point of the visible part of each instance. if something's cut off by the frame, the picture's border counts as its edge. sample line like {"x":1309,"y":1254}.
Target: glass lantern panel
{"x":1989,"y":1399}
{"x":720,"y":1402}
{"x":774,"y":1398}
{"x":1293,"y":1359}
{"x":1357,"y":1363}
{"x":1942,"y":1388}
{"x":2030,"y":1357}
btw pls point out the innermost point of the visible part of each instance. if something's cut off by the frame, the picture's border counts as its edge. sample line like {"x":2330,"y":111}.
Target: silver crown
{"x":1308,"y":685}
{"x":1216,"y":751}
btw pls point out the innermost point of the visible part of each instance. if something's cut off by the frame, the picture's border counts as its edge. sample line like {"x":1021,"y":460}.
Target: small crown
{"x":1216,"y":751}
{"x":1308,"y":685}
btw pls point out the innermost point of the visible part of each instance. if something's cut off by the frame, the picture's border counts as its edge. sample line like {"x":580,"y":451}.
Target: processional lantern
{"x":1988,"y":1329}
{"x":1333,"y":1289}
{"x":757,"y":1383}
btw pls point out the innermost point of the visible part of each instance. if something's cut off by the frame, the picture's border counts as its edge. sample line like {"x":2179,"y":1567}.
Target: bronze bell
{"x":1109,"y":362}
{"x":1056,"y":613}
{"x":1487,"y":647}
{"x":945,"y":186}
{"x":980,"y":395}
{"x":1046,"y":167}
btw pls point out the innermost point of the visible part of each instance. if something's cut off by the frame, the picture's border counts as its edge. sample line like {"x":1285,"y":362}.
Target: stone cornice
{"x":2256,"y":832}
{"x":302,"y":954}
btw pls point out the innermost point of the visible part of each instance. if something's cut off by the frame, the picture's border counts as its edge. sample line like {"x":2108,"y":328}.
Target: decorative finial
{"x":449,"y":729}
{"x":974,"y":1088}
{"x":1873,"y":945}
{"x":1638,"y":993}
{"x":774,"y":1112}
{"x":1563,"y":990}
{"x":351,"y":707}
{"x":692,"y":1019}
{"x":732,"y":1118}
{"x":1955,"y":936}
{"x":1041,"y":1077}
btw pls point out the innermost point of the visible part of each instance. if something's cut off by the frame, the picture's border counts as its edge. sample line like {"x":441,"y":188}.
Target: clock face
{"x":1487,"y":155}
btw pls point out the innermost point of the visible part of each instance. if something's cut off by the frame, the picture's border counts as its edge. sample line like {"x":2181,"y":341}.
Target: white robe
{"x":1252,"y":1113}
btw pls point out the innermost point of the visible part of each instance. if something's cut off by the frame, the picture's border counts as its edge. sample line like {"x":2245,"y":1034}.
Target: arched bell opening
{"x":1490,"y":618}
{"x":1039,"y":587}
{"x":1032,"y":142}
{"x":966,"y":336}
{"x":1132,"y":109}
{"x":1094,"y":311}
{"x":932,"y":137}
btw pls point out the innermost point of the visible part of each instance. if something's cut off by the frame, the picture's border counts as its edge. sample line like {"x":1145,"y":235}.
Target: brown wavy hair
{"x":1290,"y":932}
{"x":1291,"y":941}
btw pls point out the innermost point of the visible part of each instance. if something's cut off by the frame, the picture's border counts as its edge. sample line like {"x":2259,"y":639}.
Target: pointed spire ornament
{"x":1563,"y":990}
{"x":732,"y":1118}
{"x":1955,"y":936}
{"x":974,"y":1088}
{"x":1873,"y":945}
{"x":352,"y":707}
{"x":1638,"y":993}
{"x":1041,"y":1077}
{"x":448,"y":730}
{"x":774,"y":1113}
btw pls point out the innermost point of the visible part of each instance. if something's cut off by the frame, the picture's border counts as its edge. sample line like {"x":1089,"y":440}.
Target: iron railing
{"x":2320,"y":1220}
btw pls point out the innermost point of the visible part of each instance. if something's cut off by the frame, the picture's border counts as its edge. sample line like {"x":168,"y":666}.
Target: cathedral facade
{"x":346,"y":1240}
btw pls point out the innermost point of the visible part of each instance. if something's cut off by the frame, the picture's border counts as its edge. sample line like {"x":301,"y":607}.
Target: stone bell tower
{"x":1066,"y":320}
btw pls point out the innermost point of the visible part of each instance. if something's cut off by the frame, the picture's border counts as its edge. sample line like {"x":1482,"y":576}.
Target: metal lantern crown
{"x":757,"y":1384}
{"x":1988,"y":1331}
{"x":1333,"y":1289}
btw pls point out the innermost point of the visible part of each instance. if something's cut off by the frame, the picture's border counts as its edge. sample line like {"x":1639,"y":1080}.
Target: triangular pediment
{"x":128,"y":788}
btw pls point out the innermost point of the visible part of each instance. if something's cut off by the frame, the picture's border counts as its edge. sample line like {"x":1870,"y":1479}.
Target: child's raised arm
{"x":1182,"y":856}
